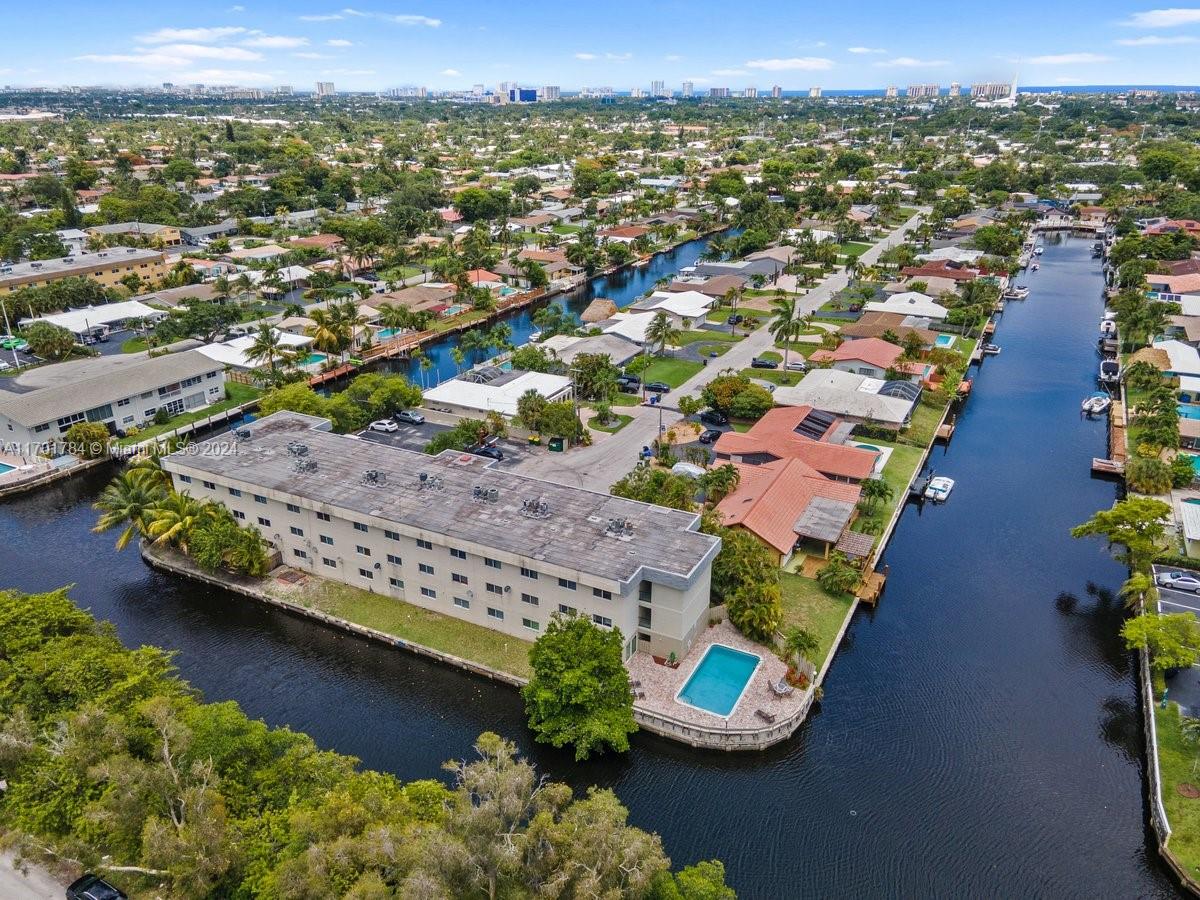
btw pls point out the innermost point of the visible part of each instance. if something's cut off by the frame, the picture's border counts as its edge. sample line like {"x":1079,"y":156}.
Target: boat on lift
{"x":939,"y":488}
{"x":1108,"y":327}
{"x":991,"y":349}
{"x":1110,"y":372}
{"x":1016,"y":292}
{"x":1096,"y":404}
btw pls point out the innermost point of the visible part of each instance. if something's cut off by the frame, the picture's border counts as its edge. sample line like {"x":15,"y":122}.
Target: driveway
{"x":1184,"y":686}
{"x":33,"y":884}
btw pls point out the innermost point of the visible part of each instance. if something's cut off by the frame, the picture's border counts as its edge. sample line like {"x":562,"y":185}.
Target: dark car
{"x":712,"y":417}
{"x":735,"y":319}
{"x":630,"y":384}
{"x":709,"y":436}
{"x":759,"y":363}
{"x":658,"y":387}
{"x":93,"y":887}
{"x":489,"y":452}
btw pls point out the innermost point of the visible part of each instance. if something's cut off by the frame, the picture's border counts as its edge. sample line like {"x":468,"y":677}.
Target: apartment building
{"x":107,"y":267}
{"x":117,"y":393}
{"x":458,"y":535}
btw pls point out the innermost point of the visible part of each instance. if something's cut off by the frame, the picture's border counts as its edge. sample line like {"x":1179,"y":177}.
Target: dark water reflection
{"x":980,"y":732}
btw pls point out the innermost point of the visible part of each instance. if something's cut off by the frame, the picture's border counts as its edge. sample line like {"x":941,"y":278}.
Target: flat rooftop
{"x":574,"y":532}
{"x":80,"y":261}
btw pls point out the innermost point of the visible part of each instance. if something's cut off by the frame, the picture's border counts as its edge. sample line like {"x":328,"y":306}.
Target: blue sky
{"x":620,"y":43}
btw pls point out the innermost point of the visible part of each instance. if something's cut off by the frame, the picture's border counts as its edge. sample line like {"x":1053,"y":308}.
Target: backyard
{"x":1177,"y":762}
{"x":806,"y":605}
{"x":236,"y":394}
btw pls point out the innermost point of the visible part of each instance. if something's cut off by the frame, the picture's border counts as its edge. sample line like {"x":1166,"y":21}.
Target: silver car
{"x":1179,"y":581}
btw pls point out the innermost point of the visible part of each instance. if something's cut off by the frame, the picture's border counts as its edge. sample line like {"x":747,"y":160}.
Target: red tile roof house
{"x":803,"y":433}
{"x":626,"y":235}
{"x":785,"y":502}
{"x":871,"y":357}
{"x":939,"y":269}
{"x":1171,"y":226}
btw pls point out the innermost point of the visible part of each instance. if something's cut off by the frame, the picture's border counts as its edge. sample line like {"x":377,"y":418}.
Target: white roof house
{"x":1185,"y":360}
{"x":499,"y":396}
{"x":80,"y":321}
{"x":682,"y":304}
{"x":909,"y":303}
{"x":233,"y":352}
{"x":631,"y":326}
{"x":952,"y":254}
{"x":848,"y":395}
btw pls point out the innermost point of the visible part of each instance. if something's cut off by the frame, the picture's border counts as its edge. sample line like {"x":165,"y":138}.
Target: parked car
{"x":1179,"y":581}
{"x":93,"y":887}
{"x":409,"y":417}
{"x":712,"y":417}
{"x":797,"y":365}
{"x":12,"y":342}
{"x":630,"y":384}
{"x":760,"y":363}
{"x":709,"y":436}
{"x":384,"y":425}
{"x":658,"y":387}
{"x":490,"y":452}
{"x":735,"y":319}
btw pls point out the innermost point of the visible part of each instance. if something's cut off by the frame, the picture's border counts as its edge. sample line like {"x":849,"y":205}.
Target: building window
{"x":361,"y":550}
{"x":429,"y":592}
{"x":396,"y":583}
{"x":567,"y":583}
{"x":366,"y":573}
{"x":602,"y":594}
{"x":186,"y":479}
{"x":458,"y":554}
{"x":461,"y":603}
{"x":326,"y":539}
{"x":298,"y":532}
{"x":603,"y":621}
{"x":264,"y":521}
{"x":324,"y":517}
{"x":531,"y":624}
{"x":300,"y":553}
{"x":425,"y":568}
{"x":259,"y":498}
{"x":394,"y":559}
{"x":424,"y":544}
{"x":643,"y":638}
{"x":391,"y":535}
{"x":210,"y":485}
{"x":293,"y":508}
{"x":238,"y":514}
{"x":644,"y":617}
{"x":494,"y":613}
{"x":529,"y":573}
{"x":494,"y":588}
{"x":359,"y":526}
{"x":332,"y":563}
{"x":458,"y":578}
{"x":530,"y":599}
{"x":491,"y":563}
{"x":567,"y":610}
{"x":234,"y":492}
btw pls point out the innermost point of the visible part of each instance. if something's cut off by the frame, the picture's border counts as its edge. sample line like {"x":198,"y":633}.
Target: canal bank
{"x":981,"y":736}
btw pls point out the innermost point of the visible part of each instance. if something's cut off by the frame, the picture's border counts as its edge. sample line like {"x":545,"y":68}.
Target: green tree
{"x":579,"y":692}
{"x":268,"y":347}
{"x":87,"y":440}
{"x":128,"y":501}
{"x":800,"y":642}
{"x":48,"y":341}
{"x":1148,"y":476}
{"x":1137,"y":523}
{"x":649,"y":484}
{"x":839,"y":576}
{"x":874,"y":492}
{"x":661,"y":331}
{"x":1173,"y":640}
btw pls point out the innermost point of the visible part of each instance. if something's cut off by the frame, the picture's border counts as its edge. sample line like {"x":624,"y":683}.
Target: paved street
{"x":610,"y":457}
{"x":1183,"y":687}
{"x":35,"y":884}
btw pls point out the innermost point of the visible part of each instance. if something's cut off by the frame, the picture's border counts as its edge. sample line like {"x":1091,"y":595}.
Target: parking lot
{"x":1183,"y":686}
{"x":415,"y":437}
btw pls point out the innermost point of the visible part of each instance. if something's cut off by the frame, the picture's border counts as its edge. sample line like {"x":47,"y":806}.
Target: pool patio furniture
{"x":767,"y":717}
{"x":781,"y":688}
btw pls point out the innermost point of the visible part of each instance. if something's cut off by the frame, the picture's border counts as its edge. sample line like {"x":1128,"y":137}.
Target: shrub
{"x":87,"y":440}
{"x":1148,"y":476}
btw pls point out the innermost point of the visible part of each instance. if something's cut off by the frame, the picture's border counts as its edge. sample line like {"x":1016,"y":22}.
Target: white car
{"x":797,"y":365}
{"x":384,"y":425}
{"x":1179,"y":581}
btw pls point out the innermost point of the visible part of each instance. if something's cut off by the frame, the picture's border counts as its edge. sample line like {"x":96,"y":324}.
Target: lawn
{"x":134,"y":345}
{"x":692,"y":337}
{"x":421,"y":626}
{"x":1177,"y":762}
{"x":721,"y":316}
{"x":898,"y":472}
{"x":672,"y":371}
{"x":617,"y":422}
{"x":399,"y":273}
{"x":566,"y":229}
{"x":805,"y":604}
{"x":775,"y":376}
{"x":853,"y":249}
{"x":623,"y":399}
{"x":925,"y":421}
{"x":236,"y":394}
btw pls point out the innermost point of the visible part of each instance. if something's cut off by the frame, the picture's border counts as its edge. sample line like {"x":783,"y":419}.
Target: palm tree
{"x":268,"y":347}
{"x":129,"y":500}
{"x":394,"y":318}
{"x":327,"y":331}
{"x":661,"y":331}
{"x":799,"y":642}
{"x":719,"y":482}
{"x":785,"y":325}
{"x":456,"y":354}
{"x":875,"y":491}
{"x":1139,"y":588}
{"x":351,"y":321}
{"x":172,"y":519}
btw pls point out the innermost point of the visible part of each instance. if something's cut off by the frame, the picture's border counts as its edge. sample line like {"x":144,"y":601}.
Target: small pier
{"x":945,"y":432}
{"x":871,"y":587}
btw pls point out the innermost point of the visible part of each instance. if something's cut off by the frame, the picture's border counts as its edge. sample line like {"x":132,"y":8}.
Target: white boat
{"x":1110,"y":371}
{"x":1016,"y":292}
{"x":1108,"y":328}
{"x":1097,"y":403}
{"x":991,"y":349}
{"x":939,"y":488}
{"x":1034,"y":267}
{"x":1039,"y":250}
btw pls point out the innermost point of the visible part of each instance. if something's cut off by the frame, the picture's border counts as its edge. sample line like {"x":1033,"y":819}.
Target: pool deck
{"x":662,"y":683}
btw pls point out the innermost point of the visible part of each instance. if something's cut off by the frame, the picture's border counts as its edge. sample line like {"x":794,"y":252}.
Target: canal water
{"x":979,"y":734}
{"x":622,"y":287}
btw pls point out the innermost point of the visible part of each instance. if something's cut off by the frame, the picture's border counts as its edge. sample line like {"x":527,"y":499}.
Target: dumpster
{"x":557,"y":445}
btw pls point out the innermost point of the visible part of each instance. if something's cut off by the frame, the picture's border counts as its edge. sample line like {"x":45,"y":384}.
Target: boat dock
{"x":1115,"y":464}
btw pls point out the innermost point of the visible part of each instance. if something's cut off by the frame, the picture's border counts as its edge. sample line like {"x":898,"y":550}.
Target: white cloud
{"x":618,"y":57}
{"x":311,"y":55}
{"x":330,"y":17}
{"x":672,"y":57}
{"x":395,"y":18}
{"x":865,"y":50}
{"x":348,"y":72}
{"x":1158,"y":40}
{"x":1164,"y":18}
{"x":154,"y":60}
{"x":237,"y":9}
{"x":586,"y":56}
{"x":1067,"y":59}
{"x":792,"y":64}
{"x":728,"y":72}
{"x":198,"y":35}
{"x":451,"y":73}
{"x":172,"y":55}
{"x":339,"y":42}
{"x":225,"y":76}
{"x":275,"y":41}
{"x":909,"y":62}
{"x":205,"y":51}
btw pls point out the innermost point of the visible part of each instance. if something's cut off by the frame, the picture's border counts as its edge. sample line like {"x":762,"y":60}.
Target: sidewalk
{"x":35,"y":884}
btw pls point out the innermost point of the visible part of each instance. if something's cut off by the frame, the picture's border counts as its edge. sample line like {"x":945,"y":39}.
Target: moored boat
{"x":1097,"y":403}
{"x":939,"y":488}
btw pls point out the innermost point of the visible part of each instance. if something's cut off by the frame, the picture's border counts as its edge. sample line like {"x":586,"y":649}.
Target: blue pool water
{"x":454,"y":309}
{"x":944,"y":340}
{"x":385,"y":333}
{"x":718,"y":681}
{"x":314,"y":358}
{"x":5,"y":467}
{"x":1189,"y":410}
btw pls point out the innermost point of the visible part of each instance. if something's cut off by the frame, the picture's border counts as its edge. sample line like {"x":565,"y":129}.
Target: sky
{"x":618,"y":43}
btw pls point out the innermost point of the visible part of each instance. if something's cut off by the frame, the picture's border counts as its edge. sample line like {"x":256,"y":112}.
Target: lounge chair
{"x":781,"y":688}
{"x":767,"y":717}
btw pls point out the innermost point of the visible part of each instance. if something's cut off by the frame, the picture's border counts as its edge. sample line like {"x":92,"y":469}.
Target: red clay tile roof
{"x":775,"y":434}
{"x":874,"y":351}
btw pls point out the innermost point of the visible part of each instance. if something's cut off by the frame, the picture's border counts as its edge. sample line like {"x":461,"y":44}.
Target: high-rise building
{"x":776,"y":92}
{"x":597,"y":92}
{"x":718,"y":92}
{"x":750,"y":93}
{"x":284,"y":90}
{"x":477,"y":90}
{"x":990,"y":90}
{"x":924,"y":91}
{"x":551,"y":92}
{"x":637,"y":93}
{"x":814,"y":93}
{"x":325,"y":89}
{"x":890,"y":92}
{"x":955,"y":89}
{"x":688,"y":89}
{"x":658,"y":89}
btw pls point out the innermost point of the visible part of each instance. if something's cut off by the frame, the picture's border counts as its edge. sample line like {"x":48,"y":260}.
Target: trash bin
{"x":556,"y":445}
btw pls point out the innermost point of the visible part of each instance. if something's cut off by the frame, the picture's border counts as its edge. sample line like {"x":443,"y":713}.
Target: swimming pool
{"x":719,"y":680}
{"x":5,"y":467}
{"x":505,"y":291}
{"x":1189,"y":410}
{"x":385,"y":333}
{"x":454,"y":309}
{"x":944,"y":340}
{"x":314,"y":359}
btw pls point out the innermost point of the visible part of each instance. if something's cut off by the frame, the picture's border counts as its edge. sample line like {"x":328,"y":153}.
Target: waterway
{"x":979,"y":734}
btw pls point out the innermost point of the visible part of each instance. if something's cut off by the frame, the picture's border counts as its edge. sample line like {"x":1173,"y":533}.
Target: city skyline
{"x":266,"y":43}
